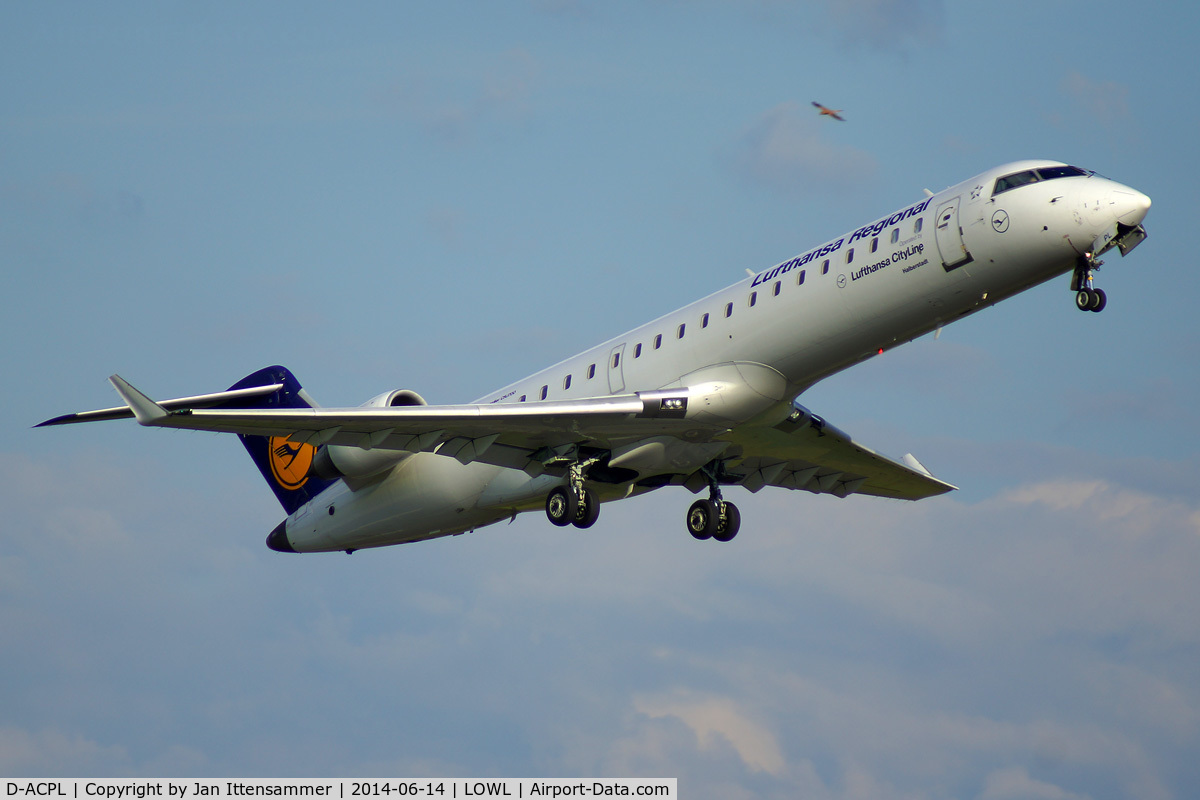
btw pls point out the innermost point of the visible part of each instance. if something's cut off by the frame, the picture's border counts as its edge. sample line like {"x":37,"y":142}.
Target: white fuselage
{"x":830,"y":307}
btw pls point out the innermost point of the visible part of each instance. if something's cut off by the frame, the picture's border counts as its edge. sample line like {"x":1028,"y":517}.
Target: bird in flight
{"x":829,"y":112}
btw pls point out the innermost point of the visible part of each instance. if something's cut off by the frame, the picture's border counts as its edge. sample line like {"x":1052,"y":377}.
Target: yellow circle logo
{"x":289,"y":461}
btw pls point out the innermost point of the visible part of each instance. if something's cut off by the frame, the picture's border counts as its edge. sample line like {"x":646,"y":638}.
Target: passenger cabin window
{"x":591,"y":372}
{"x":545,"y":391}
{"x":616,"y":360}
{"x":874,"y":244}
{"x":658,"y":341}
{"x":679,"y":333}
{"x":637,"y":350}
{"x":1028,"y":176}
{"x":920,"y":223}
{"x":728,"y":310}
{"x":778,"y":286}
{"x":825,"y":267}
{"x":800,"y":278}
{"x":704,"y":320}
{"x":567,"y":383}
{"x":753,"y":298}
{"x":849,"y":255}
{"x":895,"y":235}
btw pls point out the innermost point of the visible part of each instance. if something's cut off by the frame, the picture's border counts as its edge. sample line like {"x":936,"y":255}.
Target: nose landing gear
{"x":1087,"y":298}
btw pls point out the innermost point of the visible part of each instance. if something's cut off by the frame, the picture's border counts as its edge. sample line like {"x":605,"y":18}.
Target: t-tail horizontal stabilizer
{"x":233,"y":398}
{"x":283,"y":463}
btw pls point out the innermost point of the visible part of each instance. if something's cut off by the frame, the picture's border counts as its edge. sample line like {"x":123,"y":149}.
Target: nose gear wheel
{"x":1091,"y":300}
{"x":1087,"y":298}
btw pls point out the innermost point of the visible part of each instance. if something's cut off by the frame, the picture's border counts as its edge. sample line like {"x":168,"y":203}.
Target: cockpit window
{"x":1034,"y":175}
{"x":1050,"y":173}
{"x":1014,"y":180}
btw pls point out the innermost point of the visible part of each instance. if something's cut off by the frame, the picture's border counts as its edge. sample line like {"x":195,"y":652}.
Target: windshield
{"x":1028,"y":176}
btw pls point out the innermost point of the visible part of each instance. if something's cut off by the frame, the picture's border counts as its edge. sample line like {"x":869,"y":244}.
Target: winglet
{"x":145,"y":410}
{"x":910,"y":461}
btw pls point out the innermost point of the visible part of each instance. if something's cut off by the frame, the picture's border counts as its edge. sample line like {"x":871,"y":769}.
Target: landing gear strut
{"x":1086,"y":297}
{"x":714,"y":518}
{"x":573,"y":504}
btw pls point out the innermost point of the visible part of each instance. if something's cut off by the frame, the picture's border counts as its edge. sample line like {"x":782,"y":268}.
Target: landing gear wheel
{"x":589,"y":510}
{"x":1086,"y":297}
{"x":1091,"y":300}
{"x":731,"y":523}
{"x":702,"y":519}
{"x":562,"y":506}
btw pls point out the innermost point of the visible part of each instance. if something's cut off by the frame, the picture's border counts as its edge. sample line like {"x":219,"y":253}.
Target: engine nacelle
{"x":344,"y":461}
{"x":399,"y":397}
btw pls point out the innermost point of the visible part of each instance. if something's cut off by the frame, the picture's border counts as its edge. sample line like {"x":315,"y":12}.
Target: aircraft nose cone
{"x":1130,"y":205}
{"x":277,"y":539}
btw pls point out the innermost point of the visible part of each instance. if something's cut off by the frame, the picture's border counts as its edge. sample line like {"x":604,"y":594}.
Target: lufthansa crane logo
{"x":289,"y":461}
{"x":1000,"y":221}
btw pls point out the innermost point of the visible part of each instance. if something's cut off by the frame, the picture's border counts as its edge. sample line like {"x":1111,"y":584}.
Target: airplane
{"x":829,"y":112}
{"x":705,"y":397}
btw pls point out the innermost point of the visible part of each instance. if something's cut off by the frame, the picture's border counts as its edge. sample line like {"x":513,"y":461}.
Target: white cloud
{"x":1014,"y":783}
{"x":836,"y":649}
{"x":1137,"y":513}
{"x":711,"y":717}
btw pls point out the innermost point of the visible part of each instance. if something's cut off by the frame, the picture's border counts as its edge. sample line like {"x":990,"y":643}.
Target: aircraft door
{"x":616,"y":369}
{"x":949,"y":236}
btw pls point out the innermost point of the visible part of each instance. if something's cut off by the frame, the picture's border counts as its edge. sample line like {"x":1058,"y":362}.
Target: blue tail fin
{"x":283,"y":464}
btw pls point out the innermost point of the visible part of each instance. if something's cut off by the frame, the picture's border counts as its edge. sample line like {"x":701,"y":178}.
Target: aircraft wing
{"x":801,"y":452}
{"x":528,"y":436}
{"x":806,"y":452}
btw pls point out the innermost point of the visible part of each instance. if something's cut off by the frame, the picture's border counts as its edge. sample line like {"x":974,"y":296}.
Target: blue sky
{"x":447,"y":197}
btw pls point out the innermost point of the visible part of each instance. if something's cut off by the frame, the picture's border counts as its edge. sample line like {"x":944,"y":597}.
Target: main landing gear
{"x":714,"y":518}
{"x":573,"y":504}
{"x":1086,"y":297}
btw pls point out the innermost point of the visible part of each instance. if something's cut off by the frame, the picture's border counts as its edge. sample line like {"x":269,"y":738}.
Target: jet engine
{"x":334,"y":461}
